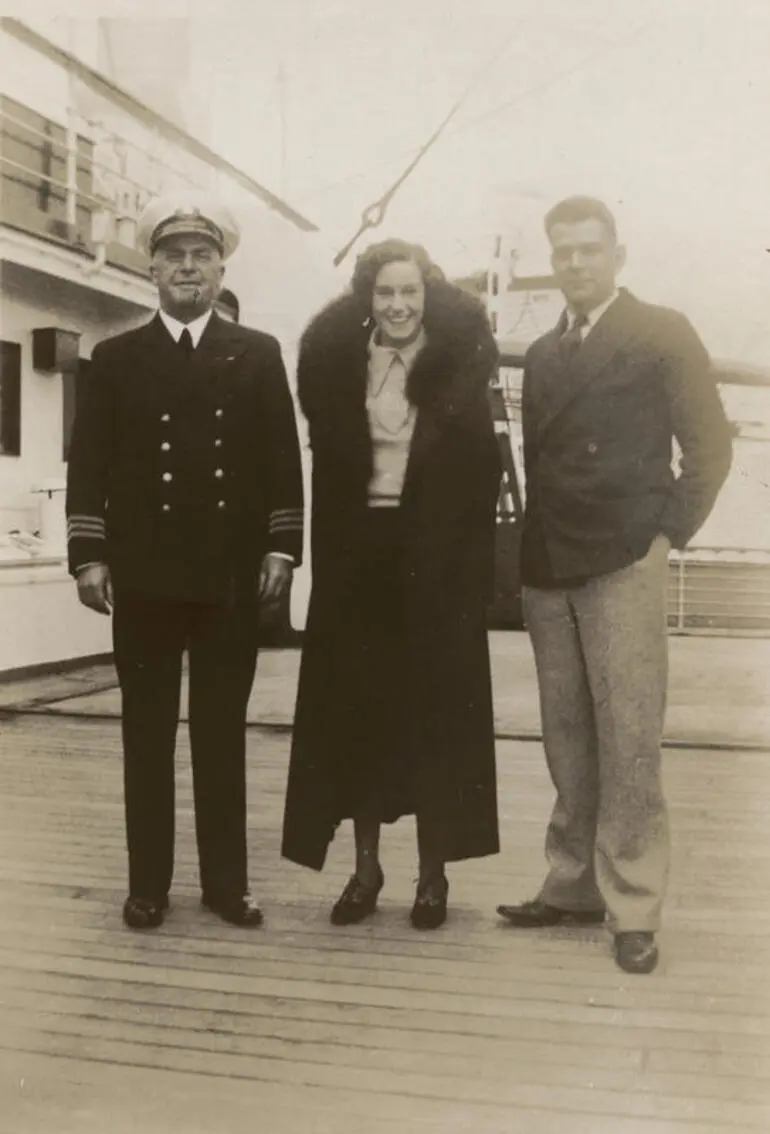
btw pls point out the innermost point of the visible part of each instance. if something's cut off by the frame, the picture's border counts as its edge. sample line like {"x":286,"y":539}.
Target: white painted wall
{"x":40,"y":616}
{"x":42,"y":620}
{"x":29,"y":300}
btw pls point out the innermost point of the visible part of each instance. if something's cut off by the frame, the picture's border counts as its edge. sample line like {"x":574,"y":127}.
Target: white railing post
{"x":680,"y":620}
{"x":71,"y":141}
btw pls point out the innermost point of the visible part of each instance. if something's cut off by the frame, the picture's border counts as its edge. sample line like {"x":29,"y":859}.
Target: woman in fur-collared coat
{"x":394,"y":710}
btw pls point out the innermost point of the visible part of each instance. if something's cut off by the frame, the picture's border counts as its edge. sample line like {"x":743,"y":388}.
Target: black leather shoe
{"x":636,"y":952}
{"x":140,"y":913}
{"x":356,"y":901}
{"x":242,"y":910}
{"x":429,"y":909}
{"x":538,"y":914}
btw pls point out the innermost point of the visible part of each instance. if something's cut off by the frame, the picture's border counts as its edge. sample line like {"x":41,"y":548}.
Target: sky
{"x":660,"y":107}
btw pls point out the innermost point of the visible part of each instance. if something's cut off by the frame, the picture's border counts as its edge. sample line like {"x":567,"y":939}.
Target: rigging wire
{"x":374,"y":214}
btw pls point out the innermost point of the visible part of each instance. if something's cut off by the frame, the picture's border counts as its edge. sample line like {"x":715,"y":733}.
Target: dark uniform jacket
{"x":598,"y":443}
{"x":183,"y":473}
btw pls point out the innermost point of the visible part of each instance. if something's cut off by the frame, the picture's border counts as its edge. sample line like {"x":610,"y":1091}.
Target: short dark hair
{"x":374,"y":258}
{"x":572,"y":210}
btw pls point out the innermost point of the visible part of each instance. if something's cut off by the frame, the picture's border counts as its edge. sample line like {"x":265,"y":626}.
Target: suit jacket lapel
{"x":220,"y":343}
{"x":159,"y":353}
{"x":612,"y":331}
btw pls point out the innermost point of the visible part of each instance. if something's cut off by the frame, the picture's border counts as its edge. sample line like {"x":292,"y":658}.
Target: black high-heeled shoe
{"x":430,"y":903}
{"x":356,"y":901}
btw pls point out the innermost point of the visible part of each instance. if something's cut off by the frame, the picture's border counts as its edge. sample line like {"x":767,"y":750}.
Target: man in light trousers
{"x":605,"y":395}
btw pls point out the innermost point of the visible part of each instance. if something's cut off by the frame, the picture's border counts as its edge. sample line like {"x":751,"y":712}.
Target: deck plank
{"x":375,"y":1029}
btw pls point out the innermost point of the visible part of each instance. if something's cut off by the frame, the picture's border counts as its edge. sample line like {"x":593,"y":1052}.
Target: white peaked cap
{"x":187,"y":212}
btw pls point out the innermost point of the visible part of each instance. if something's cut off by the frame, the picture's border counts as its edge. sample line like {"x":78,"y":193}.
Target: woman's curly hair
{"x":374,"y":258}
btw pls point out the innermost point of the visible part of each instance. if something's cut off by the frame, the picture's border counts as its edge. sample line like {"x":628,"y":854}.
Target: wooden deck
{"x":298,"y":1027}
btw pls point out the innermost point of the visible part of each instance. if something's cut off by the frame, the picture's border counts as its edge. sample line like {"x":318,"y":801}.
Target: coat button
{"x":167,"y":476}
{"x":592,"y":447}
{"x":219,"y":473}
{"x":221,"y":505}
{"x":165,"y":417}
{"x":166,"y":508}
{"x":218,"y":413}
{"x":218,"y":443}
{"x":165,"y":446}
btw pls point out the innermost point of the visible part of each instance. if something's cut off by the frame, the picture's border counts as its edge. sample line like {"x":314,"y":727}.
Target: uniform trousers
{"x":601,"y":654}
{"x":149,"y":639}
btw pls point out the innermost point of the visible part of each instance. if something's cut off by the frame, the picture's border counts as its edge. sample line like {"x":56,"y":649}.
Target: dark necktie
{"x":186,"y":343}
{"x":572,"y":339}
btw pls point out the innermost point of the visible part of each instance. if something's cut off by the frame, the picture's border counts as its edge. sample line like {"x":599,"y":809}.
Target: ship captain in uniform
{"x":185,"y":511}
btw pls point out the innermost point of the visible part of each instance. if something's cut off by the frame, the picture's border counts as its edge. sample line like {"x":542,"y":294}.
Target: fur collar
{"x":457,"y":359}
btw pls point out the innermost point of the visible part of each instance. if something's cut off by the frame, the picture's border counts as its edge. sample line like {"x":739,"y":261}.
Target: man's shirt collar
{"x":196,"y":327}
{"x":594,"y":315}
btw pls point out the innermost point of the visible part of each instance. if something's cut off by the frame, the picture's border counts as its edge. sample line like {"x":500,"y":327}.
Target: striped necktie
{"x":572,"y":338}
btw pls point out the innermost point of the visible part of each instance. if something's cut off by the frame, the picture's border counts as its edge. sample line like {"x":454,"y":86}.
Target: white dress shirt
{"x":592,"y":316}
{"x":196,"y":327}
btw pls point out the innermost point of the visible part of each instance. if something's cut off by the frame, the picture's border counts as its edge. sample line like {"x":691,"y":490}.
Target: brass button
{"x":218,"y":413}
{"x":167,"y":476}
{"x":165,"y":446}
{"x":165,"y":417}
{"x":218,"y":443}
{"x":166,"y":508}
{"x":219,"y":473}
{"x":592,"y":447}
{"x":221,"y":505}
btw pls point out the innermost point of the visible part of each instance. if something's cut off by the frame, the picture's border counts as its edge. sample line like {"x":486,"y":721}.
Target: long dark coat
{"x":448,"y":511}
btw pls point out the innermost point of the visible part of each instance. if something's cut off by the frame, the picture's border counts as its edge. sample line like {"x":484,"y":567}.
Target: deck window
{"x":10,"y":399}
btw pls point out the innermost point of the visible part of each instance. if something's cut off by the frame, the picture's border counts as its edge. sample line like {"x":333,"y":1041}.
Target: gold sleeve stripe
{"x":81,"y":526}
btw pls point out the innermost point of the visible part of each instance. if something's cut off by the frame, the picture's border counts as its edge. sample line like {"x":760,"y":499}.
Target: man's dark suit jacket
{"x":183,"y":473}
{"x":598,"y":443}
